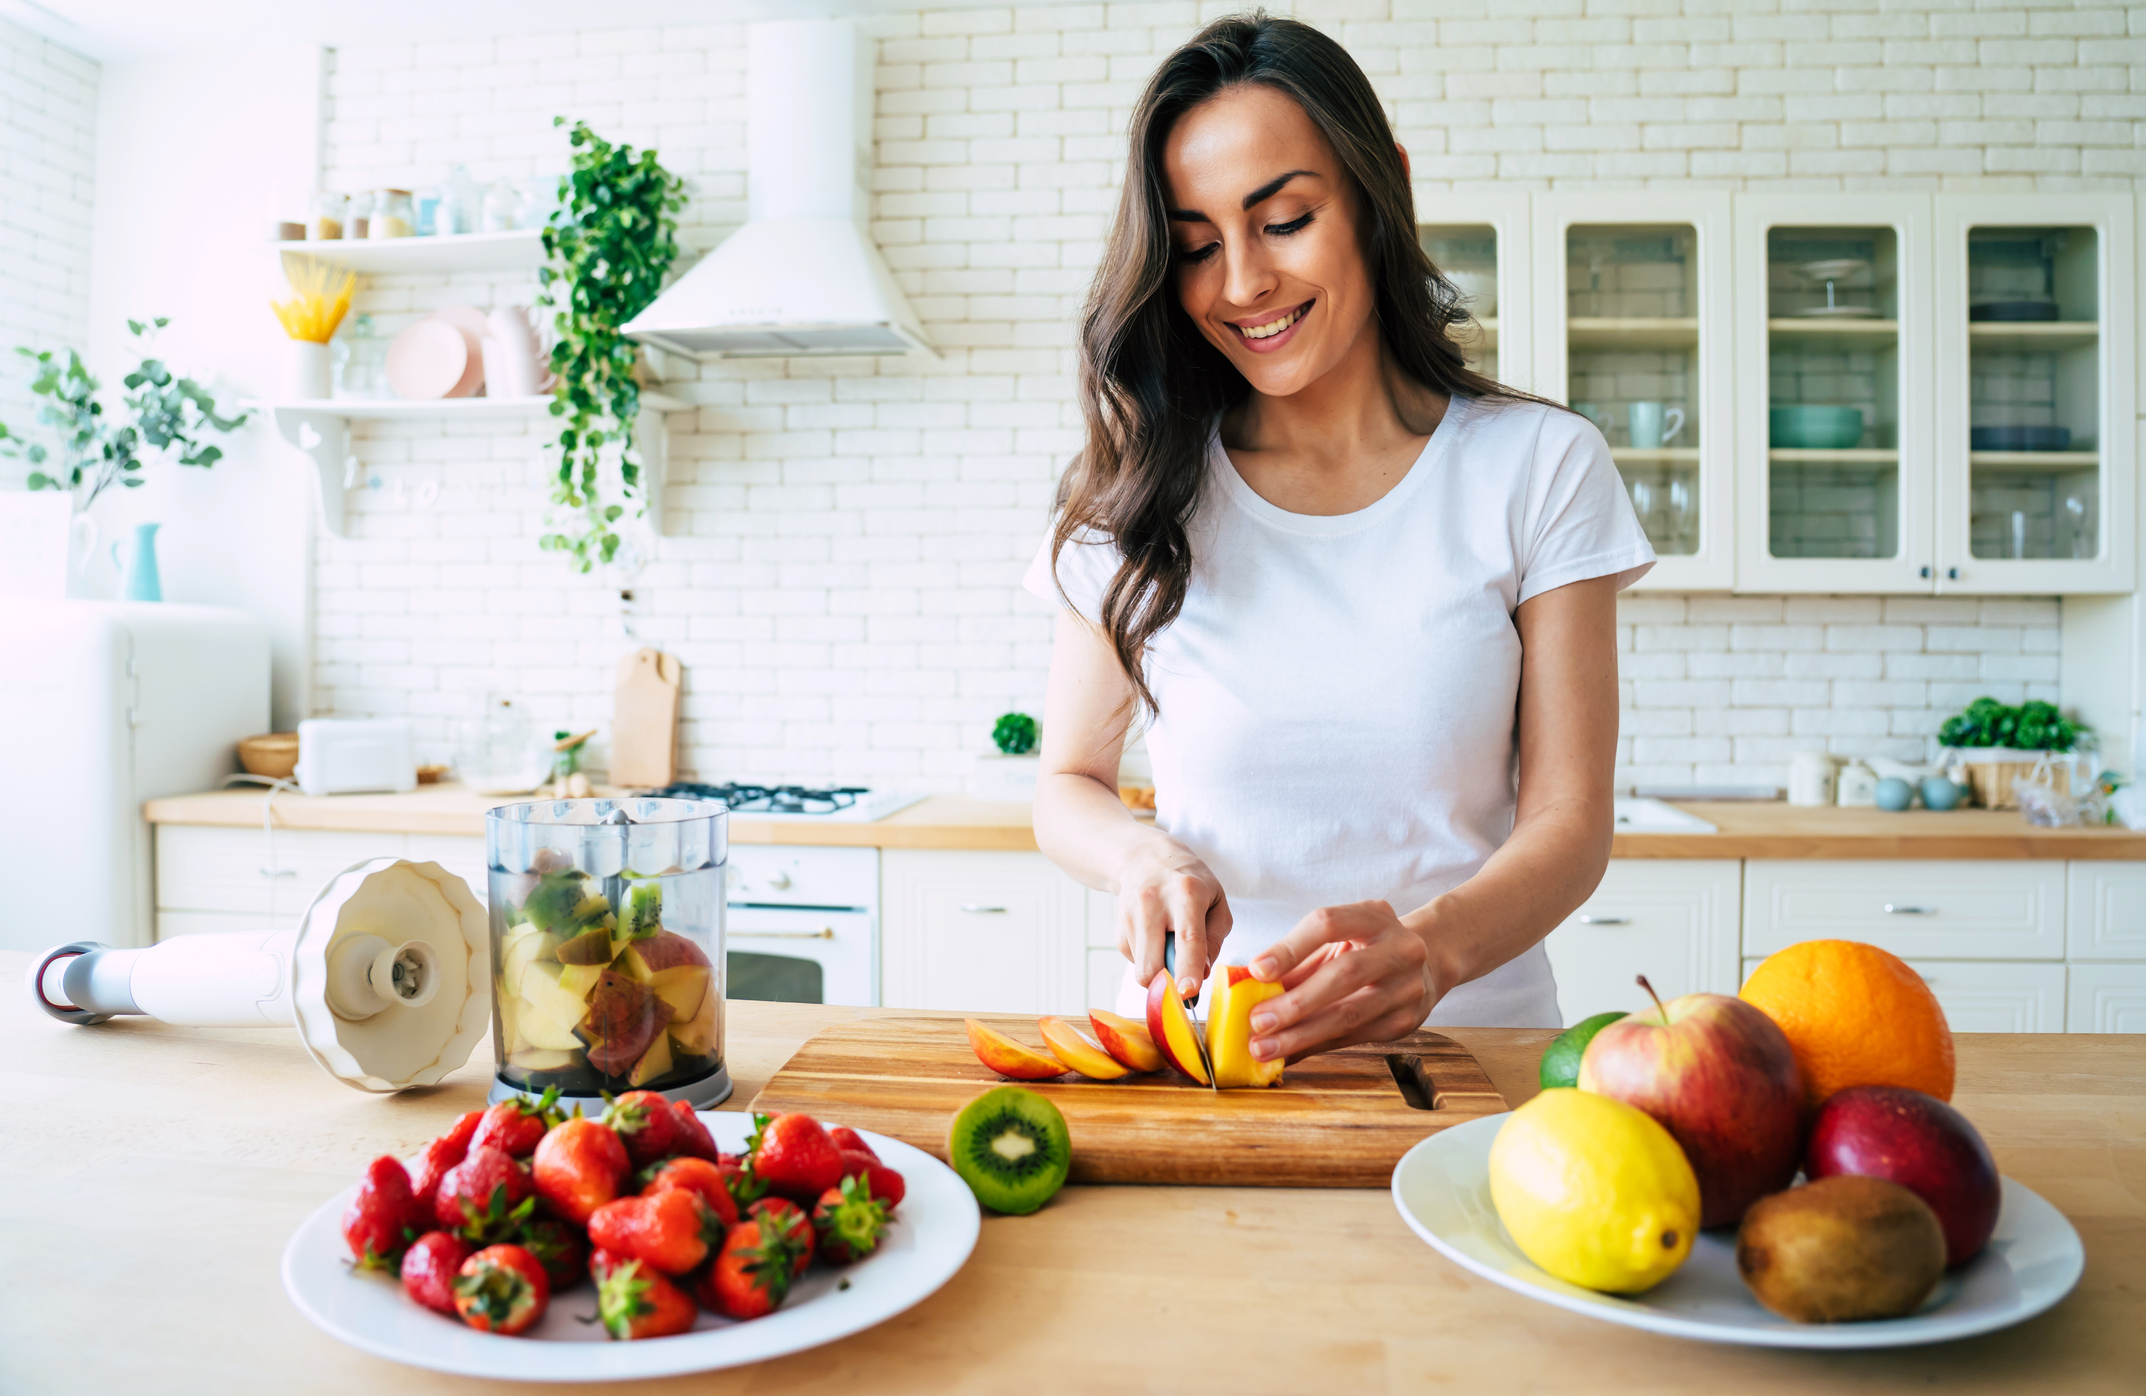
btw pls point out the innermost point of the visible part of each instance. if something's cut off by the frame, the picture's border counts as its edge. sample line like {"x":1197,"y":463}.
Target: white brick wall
{"x":847,"y":537}
{"x":48,"y":151}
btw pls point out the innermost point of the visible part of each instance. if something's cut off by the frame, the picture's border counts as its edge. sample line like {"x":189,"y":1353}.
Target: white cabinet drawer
{"x":1991,"y":995}
{"x":2105,"y":912}
{"x":2106,"y":998}
{"x":246,"y":870}
{"x":1944,"y":909}
{"x":981,"y":933}
{"x":1673,"y":920}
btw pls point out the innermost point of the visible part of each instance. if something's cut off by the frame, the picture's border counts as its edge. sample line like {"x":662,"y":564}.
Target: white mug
{"x":1653,"y":425}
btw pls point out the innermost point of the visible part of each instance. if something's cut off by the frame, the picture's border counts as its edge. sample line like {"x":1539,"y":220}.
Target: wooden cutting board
{"x":644,"y":720}
{"x":1338,"y":1120}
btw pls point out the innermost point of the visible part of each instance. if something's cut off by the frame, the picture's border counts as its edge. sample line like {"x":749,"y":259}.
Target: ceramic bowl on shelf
{"x":2019,"y":439}
{"x":1804,"y":426}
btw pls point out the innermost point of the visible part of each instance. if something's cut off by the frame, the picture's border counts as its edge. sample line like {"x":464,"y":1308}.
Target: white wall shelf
{"x":521,"y":250}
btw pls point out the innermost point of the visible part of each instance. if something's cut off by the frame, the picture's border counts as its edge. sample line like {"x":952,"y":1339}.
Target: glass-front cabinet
{"x":1478,"y":241}
{"x":1834,"y":325}
{"x":1632,"y":320}
{"x":2035,"y":394}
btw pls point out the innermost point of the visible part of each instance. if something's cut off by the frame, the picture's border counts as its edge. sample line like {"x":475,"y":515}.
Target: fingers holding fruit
{"x":1354,"y":973}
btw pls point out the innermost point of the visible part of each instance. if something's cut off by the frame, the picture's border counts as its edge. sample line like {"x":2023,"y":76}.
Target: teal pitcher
{"x":142,"y":582}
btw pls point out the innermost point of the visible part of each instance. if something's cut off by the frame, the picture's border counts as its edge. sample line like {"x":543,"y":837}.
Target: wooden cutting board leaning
{"x":1338,"y":1120}
{"x":644,"y":720}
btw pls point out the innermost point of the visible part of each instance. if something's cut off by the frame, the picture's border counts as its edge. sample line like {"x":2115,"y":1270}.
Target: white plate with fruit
{"x":917,"y":1246}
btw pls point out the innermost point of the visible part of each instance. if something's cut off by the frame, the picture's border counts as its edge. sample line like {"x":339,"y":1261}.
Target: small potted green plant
{"x":1989,"y":745}
{"x":1011,"y":773}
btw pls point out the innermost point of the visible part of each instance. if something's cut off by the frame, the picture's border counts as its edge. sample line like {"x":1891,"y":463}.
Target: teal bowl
{"x":1814,"y":428}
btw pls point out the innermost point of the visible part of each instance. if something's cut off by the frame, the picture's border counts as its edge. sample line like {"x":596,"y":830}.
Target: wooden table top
{"x":152,"y":1175}
{"x":1747,"y":829}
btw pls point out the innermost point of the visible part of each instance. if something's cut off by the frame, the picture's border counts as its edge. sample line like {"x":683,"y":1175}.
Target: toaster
{"x":346,"y":755}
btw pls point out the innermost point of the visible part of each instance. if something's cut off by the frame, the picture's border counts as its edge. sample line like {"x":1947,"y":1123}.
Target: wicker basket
{"x":1990,"y":773}
{"x":273,"y":754}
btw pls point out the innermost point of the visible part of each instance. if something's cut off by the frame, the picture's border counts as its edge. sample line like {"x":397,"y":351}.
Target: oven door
{"x":800,"y":955}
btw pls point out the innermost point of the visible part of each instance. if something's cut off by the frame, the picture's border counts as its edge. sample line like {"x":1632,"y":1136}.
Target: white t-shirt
{"x":1337,"y":698}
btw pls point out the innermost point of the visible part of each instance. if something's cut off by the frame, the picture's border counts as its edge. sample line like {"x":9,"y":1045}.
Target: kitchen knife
{"x":1199,"y":1029}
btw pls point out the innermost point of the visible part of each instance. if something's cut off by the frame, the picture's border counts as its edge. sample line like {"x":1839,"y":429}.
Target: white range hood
{"x":802,"y":276}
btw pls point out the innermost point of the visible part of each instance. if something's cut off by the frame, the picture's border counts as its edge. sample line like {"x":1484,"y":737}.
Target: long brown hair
{"x":1150,"y":383}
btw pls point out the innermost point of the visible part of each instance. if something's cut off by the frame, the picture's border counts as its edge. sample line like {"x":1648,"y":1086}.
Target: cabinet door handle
{"x":1897,"y":909}
{"x":980,"y":909}
{"x":1591,"y":920}
{"x":1952,"y":574}
{"x":824,"y":933}
{"x":1926,"y":573}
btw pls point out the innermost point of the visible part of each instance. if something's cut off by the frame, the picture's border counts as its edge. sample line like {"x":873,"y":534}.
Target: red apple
{"x":1720,"y":1077}
{"x":1919,"y":1142}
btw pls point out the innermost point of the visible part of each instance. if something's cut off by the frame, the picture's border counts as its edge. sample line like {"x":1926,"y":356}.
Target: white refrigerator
{"x":106,"y":704}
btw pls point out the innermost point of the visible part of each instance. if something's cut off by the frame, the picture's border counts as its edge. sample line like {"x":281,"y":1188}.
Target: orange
{"x":1855,"y":1015}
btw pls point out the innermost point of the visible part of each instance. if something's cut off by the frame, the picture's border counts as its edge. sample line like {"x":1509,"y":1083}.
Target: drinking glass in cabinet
{"x":1833,"y":392}
{"x":1466,"y":255}
{"x":2034,"y":408}
{"x":1632,"y":343}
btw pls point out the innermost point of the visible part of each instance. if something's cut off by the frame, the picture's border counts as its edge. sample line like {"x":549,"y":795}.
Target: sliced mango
{"x":522,"y":948}
{"x":538,"y":1030}
{"x":1229,"y":1029}
{"x":682,"y":988}
{"x":696,"y":1038}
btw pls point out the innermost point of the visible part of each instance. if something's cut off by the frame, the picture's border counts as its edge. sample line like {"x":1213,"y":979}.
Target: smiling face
{"x":1269,"y":263}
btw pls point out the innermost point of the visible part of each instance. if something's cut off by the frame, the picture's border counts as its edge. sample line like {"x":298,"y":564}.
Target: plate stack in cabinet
{"x":1632,"y":330}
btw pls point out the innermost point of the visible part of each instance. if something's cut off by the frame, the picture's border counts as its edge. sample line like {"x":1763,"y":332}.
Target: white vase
{"x":306,"y":371}
{"x":1006,"y":777}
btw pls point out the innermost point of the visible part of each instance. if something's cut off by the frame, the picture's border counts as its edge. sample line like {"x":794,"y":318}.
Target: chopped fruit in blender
{"x":534,"y":1030}
{"x":578,"y":1167}
{"x":697,"y":1037}
{"x":623,"y":1018}
{"x":591,"y":947}
{"x":655,"y":1062}
{"x":383,"y":1216}
{"x":564,"y":902}
{"x":1010,"y":1058}
{"x":1229,"y":1030}
{"x":661,"y":951}
{"x":429,"y":1269}
{"x":673,"y":1230}
{"x":682,"y":987}
{"x":637,"y":1301}
{"x":516,"y":1124}
{"x":1126,"y":1040}
{"x":579,"y":979}
{"x":644,"y":910}
{"x":534,"y":1059}
{"x":793,"y":1156}
{"x":519,"y":949}
{"x":1076,"y":1051}
{"x":1171,"y":1027}
{"x":540,"y":988}
{"x":502,"y":1289}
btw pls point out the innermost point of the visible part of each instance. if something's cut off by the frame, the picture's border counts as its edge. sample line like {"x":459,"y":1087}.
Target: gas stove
{"x":842,"y":804}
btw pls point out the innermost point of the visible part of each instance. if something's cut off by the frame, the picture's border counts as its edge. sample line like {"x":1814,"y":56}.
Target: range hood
{"x":802,"y":276}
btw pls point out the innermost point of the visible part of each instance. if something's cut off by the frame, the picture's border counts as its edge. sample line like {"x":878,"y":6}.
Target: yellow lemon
{"x":1594,"y":1191}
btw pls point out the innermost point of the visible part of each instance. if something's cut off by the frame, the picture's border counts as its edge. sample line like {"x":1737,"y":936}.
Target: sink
{"x":1640,"y":816}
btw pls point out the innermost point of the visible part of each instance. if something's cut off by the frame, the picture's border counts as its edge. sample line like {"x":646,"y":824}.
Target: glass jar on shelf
{"x":329,"y":211}
{"x":502,"y":207}
{"x":358,"y":359}
{"x":357,"y":225}
{"x":429,"y":204}
{"x":393,"y":215}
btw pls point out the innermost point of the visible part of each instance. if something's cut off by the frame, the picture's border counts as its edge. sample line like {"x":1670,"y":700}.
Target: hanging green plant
{"x":607,"y":246}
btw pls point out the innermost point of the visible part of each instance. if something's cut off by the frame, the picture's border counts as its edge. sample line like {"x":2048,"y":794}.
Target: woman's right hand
{"x":1163,"y":888}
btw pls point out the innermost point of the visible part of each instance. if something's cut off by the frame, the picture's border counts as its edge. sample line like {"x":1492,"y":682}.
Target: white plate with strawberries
{"x":1442,"y":1189}
{"x":927,"y":1239}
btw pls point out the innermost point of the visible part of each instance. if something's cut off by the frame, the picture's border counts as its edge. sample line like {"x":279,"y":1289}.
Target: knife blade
{"x":1199,"y":1032}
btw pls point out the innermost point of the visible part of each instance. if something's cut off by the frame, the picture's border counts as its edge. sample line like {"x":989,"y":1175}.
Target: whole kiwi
{"x":1840,"y":1250}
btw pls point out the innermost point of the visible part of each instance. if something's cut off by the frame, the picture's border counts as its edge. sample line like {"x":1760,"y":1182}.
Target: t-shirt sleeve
{"x":1578,"y":522}
{"x":1085,"y":567}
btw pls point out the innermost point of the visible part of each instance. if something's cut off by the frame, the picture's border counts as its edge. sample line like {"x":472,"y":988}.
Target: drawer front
{"x":1669,"y":919}
{"x":187,"y":923}
{"x":2105,"y":912}
{"x":1931,"y":909}
{"x":1991,"y":995}
{"x":2105,"y":998}
{"x":982,"y":932}
{"x":204,"y":869}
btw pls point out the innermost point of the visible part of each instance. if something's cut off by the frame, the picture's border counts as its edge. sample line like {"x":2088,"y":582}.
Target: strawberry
{"x":672,"y":1230}
{"x":559,"y":1246}
{"x":646,"y":1125}
{"x":745,"y":1187}
{"x":485,"y":1196}
{"x":848,"y":1141}
{"x":442,"y":1154}
{"x":888,"y":1186}
{"x":578,"y":1168}
{"x":501,"y":1289}
{"x":781,"y":1216}
{"x":637,"y":1301}
{"x":382,"y":1218}
{"x":794,"y":1156}
{"x":698,"y":1176}
{"x":849,"y":1221}
{"x":694,"y":1141}
{"x":751,"y":1274}
{"x":517,"y":1124}
{"x":430,"y":1266}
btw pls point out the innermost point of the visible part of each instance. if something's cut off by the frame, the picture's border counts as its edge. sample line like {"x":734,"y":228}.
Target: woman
{"x":1362,"y":597}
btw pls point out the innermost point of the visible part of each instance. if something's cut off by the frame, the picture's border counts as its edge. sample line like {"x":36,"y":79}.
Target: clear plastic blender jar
{"x":607,"y":947}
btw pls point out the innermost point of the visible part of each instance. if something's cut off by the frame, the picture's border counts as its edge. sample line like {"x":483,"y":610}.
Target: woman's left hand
{"x":1353,"y":973}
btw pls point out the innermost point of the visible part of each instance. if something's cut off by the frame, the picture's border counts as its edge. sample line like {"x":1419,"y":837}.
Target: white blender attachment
{"x":388,"y":979}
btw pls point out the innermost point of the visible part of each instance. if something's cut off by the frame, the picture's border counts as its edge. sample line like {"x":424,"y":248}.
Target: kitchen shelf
{"x":1661,"y":455}
{"x":1590,"y":332}
{"x":1833,"y":329}
{"x":2037,"y":462}
{"x":520,"y":250}
{"x":1854,"y":455}
{"x":2032,"y":336}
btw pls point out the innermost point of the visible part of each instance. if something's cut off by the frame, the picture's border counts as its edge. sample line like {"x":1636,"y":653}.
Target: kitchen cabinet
{"x":2105,"y":912}
{"x":983,"y":932}
{"x":1835,"y":322}
{"x":1673,"y":920}
{"x":2105,"y":998}
{"x":221,"y":879}
{"x":1632,"y":326}
{"x":1948,"y":909}
{"x":1990,"y":995}
{"x":1480,"y":241}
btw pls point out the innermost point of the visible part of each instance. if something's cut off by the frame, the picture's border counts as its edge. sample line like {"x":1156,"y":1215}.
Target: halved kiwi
{"x":1011,"y":1147}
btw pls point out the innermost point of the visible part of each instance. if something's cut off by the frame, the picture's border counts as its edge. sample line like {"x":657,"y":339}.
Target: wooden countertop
{"x":154,"y":1174}
{"x":1747,"y":830}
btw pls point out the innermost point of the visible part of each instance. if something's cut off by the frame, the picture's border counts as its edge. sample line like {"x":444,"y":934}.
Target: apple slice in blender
{"x":540,"y":1059}
{"x":696,"y":1036}
{"x":1229,"y":1030}
{"x":654,"y":1062}
{"x":1171,"y":1027}
{"x":645,"y":959}
{"x":1069,"y":1046}
{"x":541,"y":991}
{"x":682,"y":987}
{"x":536,"y":1030}
{"x":578,"y":980}
{"x":1010,"y":1058}
{"x":523,"y":948}
{"x":1126,"y":1040}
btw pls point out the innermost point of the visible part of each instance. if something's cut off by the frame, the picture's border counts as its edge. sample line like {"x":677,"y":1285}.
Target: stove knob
{"x":780,"y":881}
